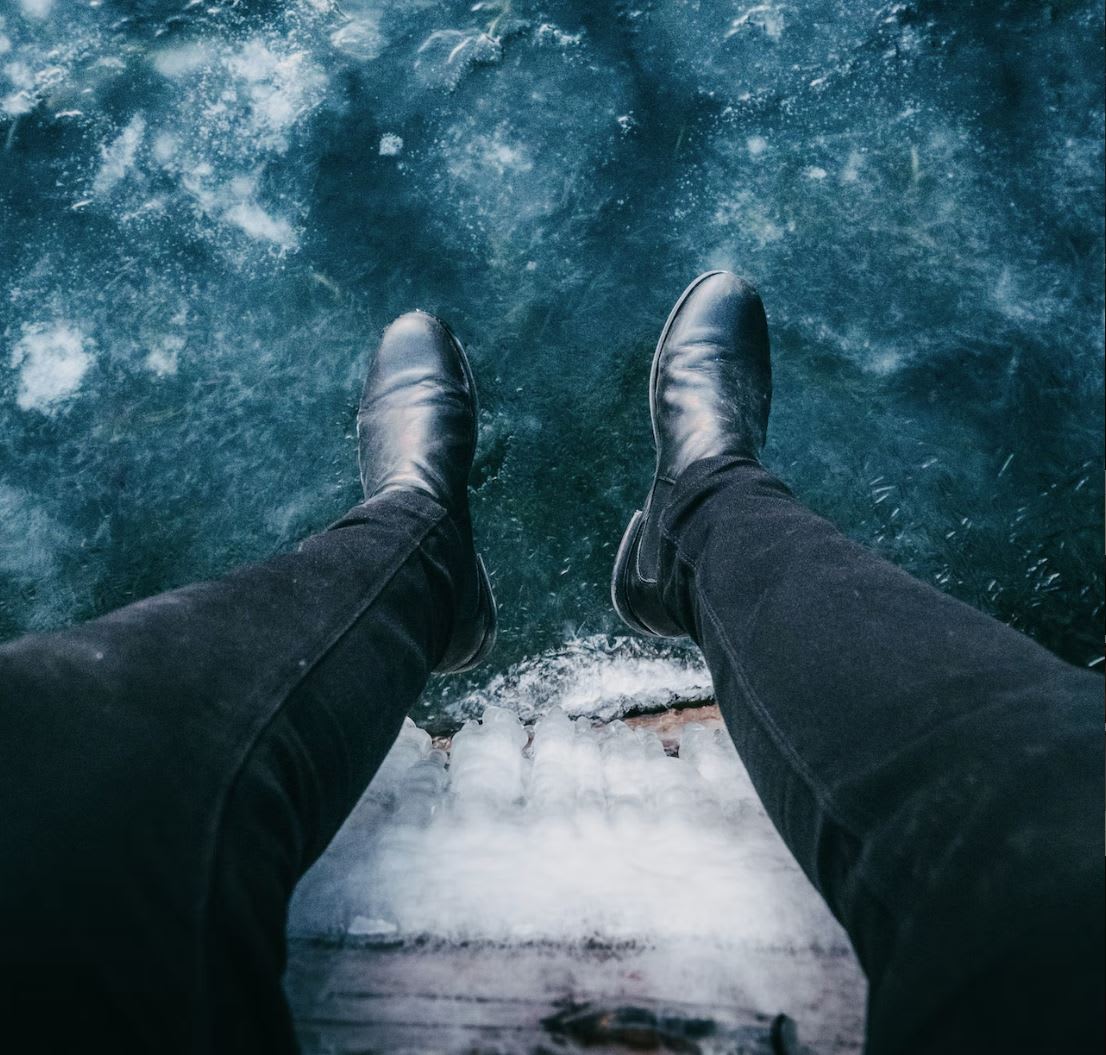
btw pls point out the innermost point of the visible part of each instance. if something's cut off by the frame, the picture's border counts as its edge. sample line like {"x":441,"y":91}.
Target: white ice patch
{"x":391,"y":145}
{"x":37,"y":8}
{"x":118,"y":157}
{"x":181,"y":60}
{"x":51,"y":360}
{"x":257,"y":223}
{"x":16,"y":103}
{"x":489,"y":158}
{"x":30,"y":539}
{"x":884,"y":362}
{"x":590,"y":833}
{"x":163,"y":359}
{"x":34,"y":546}
{"x":30,"y":83}
{"x":239,"y":108}
{"x":279,"y":88}
{"x":234,"y":202}
{"x":850,"y":172}
{"x":756,"y":218}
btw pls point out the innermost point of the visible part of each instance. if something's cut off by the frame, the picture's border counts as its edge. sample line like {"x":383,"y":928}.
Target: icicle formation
{"x":587,"y":833}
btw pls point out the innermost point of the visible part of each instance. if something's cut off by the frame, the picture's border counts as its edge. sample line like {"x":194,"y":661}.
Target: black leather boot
{"x":416,"y":430}
{"x":709,"y":394}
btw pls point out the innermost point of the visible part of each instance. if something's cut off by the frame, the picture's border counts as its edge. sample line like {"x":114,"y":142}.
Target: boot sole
{"x":627,"y":549}
{"x":619,"y":586}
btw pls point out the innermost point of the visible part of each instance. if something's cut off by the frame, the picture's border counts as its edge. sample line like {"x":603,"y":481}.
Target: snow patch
{"x":52,"y":360}
{"x":391,"y":145}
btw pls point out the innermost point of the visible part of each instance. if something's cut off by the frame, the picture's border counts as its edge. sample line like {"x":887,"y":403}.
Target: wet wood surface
{"x":540,"y":999}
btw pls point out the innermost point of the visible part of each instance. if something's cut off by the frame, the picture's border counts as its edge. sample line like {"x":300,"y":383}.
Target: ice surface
{"x":207,"y":217}
{"x":588,"y":833}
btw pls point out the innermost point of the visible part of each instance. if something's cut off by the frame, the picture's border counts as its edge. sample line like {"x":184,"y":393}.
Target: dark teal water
{"x":209,"y":212}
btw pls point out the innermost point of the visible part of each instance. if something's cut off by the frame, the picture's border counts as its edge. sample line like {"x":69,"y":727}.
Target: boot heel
{"x":623,"y":567}
{"x":487,"y":639}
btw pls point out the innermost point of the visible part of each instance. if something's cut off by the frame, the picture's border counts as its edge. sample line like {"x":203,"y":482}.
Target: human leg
{"x":168,"y":771}
{"x":934,"y":772}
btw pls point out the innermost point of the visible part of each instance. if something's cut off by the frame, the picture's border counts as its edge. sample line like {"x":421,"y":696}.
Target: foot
{"x":709,"y":394}
{"x":416,"y":430}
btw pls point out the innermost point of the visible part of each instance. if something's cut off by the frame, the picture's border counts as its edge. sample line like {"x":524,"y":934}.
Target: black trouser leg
{"x":169,"y":771}
{"x":936,"y":774}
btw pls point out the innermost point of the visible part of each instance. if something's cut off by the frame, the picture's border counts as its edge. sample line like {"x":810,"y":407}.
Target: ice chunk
{"x":766,"y":17}
{"x":163,"y":359}
{"x":487,"y":766}
{"x":595,"y":677}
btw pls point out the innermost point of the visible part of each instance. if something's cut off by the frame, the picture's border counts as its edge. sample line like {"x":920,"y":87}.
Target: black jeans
{"x":936,"y":774}
{"x":169,"y":771}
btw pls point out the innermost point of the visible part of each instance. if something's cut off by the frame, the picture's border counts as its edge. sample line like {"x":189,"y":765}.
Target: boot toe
{"x":720,"y":308}
{"x":418,"y":339}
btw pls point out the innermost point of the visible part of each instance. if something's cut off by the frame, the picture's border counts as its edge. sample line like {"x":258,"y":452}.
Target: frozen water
{"x":600,"y":677}
{"x":590,"y":838}
{"x":209,"y":212}
{"x":590,"y":833}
